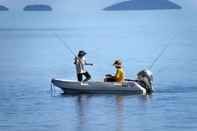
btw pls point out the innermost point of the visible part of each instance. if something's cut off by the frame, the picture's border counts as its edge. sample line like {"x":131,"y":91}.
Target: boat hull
{"x":96,"y":87}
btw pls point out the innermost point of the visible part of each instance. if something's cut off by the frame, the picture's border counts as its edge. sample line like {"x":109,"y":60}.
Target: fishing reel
{"x":145,"y":79}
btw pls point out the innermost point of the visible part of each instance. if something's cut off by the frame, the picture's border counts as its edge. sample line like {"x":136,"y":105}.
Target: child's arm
{"x":86,"y":63}
{"x":89,"y":64}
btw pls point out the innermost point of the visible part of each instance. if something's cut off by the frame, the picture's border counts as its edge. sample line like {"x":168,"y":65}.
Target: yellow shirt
{"x":120,"y":75}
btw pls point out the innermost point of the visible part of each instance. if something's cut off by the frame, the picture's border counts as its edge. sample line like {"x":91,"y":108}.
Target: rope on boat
{"x":52,"y":89}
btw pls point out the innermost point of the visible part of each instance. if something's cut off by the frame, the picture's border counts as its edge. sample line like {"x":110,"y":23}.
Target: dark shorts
{"x":80,"y":76}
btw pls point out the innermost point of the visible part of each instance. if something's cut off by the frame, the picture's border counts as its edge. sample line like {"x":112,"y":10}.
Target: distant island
{"x":37,"y":7}
{"x":3,"y":8}
{"x":143,"y":5}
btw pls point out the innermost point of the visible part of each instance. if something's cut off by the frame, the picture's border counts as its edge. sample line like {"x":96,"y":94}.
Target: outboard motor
{"x":145,"y":79}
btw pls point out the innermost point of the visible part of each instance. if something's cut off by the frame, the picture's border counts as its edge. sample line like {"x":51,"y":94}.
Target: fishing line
{"x":65,"y":44}
{"x":159,"y":56}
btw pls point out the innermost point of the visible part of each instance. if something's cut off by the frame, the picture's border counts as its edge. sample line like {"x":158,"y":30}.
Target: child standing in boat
{"x":80,"y":63}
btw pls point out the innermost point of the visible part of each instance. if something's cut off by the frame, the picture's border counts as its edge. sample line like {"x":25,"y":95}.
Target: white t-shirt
{"x":80,"y":64}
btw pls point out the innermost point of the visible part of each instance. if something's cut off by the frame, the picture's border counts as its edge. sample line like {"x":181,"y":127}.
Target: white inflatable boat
{"x":98,"y":87}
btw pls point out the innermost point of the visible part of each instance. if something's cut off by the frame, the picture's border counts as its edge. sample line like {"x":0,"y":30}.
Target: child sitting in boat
{"x":80,"y":63}
{"x":120,"y":74}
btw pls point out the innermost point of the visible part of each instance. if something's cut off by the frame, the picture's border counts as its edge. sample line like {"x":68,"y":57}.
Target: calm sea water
{"x":30,"y":55}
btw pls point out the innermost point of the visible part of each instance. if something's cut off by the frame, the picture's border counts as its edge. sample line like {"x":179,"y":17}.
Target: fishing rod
{"x":68,"y":47}
{"x":159,"y":56}
{"x":65,"y":44}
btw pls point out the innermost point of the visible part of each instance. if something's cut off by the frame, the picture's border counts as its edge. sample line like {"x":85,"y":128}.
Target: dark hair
{"x":81,"y":53}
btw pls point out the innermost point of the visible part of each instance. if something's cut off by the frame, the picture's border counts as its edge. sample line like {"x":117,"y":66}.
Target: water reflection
{"x":143,"y":99}
{"x":82,"y":104}
{"x":119,"y":112}
{"x":102,"y":112}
